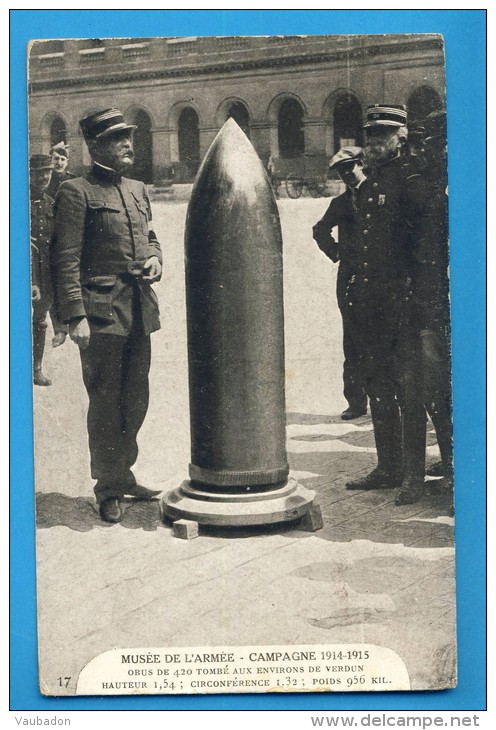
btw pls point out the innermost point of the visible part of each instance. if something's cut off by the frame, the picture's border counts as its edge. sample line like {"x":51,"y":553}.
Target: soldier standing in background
{"x":341,"y":213}
{"x":431,"y":286}
{"x":41,"y":211}
{"x":60,"y":159}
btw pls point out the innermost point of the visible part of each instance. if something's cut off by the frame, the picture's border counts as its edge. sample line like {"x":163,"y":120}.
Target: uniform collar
{"x":37,"y":195}
{"x":106,"y":173}
{"x":394,"y":157}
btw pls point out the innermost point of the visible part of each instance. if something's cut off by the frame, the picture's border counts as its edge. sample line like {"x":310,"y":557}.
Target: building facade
{"x":293,"y":96}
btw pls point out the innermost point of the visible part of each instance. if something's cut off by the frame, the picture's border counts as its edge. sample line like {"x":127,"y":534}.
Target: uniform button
{"x":371,"y":200}
{"x":365,"y":264}
{"x":368,"y":215}
{"x":366,"y":280}
{"x":365,"y":231}
{"x":374,"y":185}
{"x":365,"y":248}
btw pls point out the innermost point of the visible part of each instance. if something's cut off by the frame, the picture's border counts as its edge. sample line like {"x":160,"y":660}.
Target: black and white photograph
{"x":241,"y":341}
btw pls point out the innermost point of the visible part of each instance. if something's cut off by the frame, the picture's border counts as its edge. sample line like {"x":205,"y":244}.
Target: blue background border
{"x":464,"y":32}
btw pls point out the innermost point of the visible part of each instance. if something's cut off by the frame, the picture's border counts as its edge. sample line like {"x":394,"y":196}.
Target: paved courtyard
{"x":375,"y":573}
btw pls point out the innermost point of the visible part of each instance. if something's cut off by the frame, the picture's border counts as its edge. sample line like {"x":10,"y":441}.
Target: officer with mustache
{"x":380,"y":302}
{"x":106,"y":257}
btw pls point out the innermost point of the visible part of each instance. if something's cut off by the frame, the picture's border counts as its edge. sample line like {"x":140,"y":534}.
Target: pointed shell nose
{"x":235,"y":318}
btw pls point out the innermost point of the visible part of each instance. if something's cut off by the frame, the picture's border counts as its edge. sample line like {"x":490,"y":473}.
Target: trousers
{"x":115,"y":374}
{"x":353,"y":375}
{"x":392,"y":369}
{"x":437,"y":394}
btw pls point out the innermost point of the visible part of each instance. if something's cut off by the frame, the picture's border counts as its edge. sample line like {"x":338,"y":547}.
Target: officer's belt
{"x":105,"y":268}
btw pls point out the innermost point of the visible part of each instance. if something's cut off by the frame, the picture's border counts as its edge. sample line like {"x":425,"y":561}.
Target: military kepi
{"x":383,"y":115}
{"x":104,"y":123}
{"x":40,"y":162}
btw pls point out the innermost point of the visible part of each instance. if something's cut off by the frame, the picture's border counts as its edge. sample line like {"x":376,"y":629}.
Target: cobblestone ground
{"x":375,"y":573}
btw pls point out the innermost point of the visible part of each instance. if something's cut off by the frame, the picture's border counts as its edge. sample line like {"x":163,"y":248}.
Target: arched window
{"x":189,"y":141}
{"x":290,"y":129}
{"x":143,"y":151}
{"x":347,"y":121}
{"x":58,"y":131}
{"x":422,"y":102}
{"x":239,"y":113}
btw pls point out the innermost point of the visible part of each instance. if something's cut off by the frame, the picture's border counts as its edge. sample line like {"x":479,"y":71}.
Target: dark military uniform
{"x":56,"y":180}
{"x":41,"y":234}
{"x":341,"y":213}
{"x":102,"y":240}
{"x":379,"y":300}
{"x":431,"y":302}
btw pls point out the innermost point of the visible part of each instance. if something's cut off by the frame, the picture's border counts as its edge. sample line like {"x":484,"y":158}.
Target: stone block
{"x":312,"y":520}
{"x":185,"y":529}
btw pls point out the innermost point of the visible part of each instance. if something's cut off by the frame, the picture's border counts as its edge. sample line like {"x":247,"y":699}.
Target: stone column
{"x":329,"y":138}
{"x":77,"y":156}
{"x":262,"y":140}
{"x":315,"y":140}
{"x":207,"y":136}
{"x":161,"y":146}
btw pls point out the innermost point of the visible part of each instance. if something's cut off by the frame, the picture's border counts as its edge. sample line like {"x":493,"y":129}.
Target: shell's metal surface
{"x":234,"y":299}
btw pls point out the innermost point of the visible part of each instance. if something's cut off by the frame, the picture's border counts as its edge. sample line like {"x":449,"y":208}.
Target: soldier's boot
{"x":414,"y":442}
{"x":435,"y":470}
{"x":39,"y":335}
{"x":441,"y":419}
{"x":387,"y":434}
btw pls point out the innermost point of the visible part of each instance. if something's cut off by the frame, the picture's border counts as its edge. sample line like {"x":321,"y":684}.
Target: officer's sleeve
{"x":153,"y":244}
{"x":35,"y":273}
{"x":33,"y":248}
{"x":70,"y":216}
{"x":429,"y":243}
{"x":322,"y":232}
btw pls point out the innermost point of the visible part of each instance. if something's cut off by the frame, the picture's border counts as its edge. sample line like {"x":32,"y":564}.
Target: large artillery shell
{"x":235,"y":319}
{"x":234,"y":298}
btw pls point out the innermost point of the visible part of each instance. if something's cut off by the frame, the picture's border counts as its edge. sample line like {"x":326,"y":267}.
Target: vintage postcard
{"x":241,"y":364}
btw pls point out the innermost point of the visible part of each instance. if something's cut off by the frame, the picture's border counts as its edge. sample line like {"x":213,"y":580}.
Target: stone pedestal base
{"x":283,"y":503}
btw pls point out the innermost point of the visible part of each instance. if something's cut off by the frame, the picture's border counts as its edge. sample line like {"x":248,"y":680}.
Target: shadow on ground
{"x":347,"y":515}
{"x":81,"y":514}
{"x":364,"y":515}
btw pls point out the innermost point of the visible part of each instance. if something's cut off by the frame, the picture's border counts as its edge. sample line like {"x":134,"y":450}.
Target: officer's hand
{"x":79,"y":332}
{"x":35,"y":293}
{"x":328,"y":246}
{"x":430,"y":345}
{"x":152,"y":270}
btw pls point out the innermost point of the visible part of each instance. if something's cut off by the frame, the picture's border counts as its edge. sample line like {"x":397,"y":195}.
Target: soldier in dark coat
{"x":341,"y":213}
{"x":380,"y":301}
{"x":59,"y":153}
{"x":41,"y":211}
{"x":431,"y":286}
{"x":106,"y":256}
